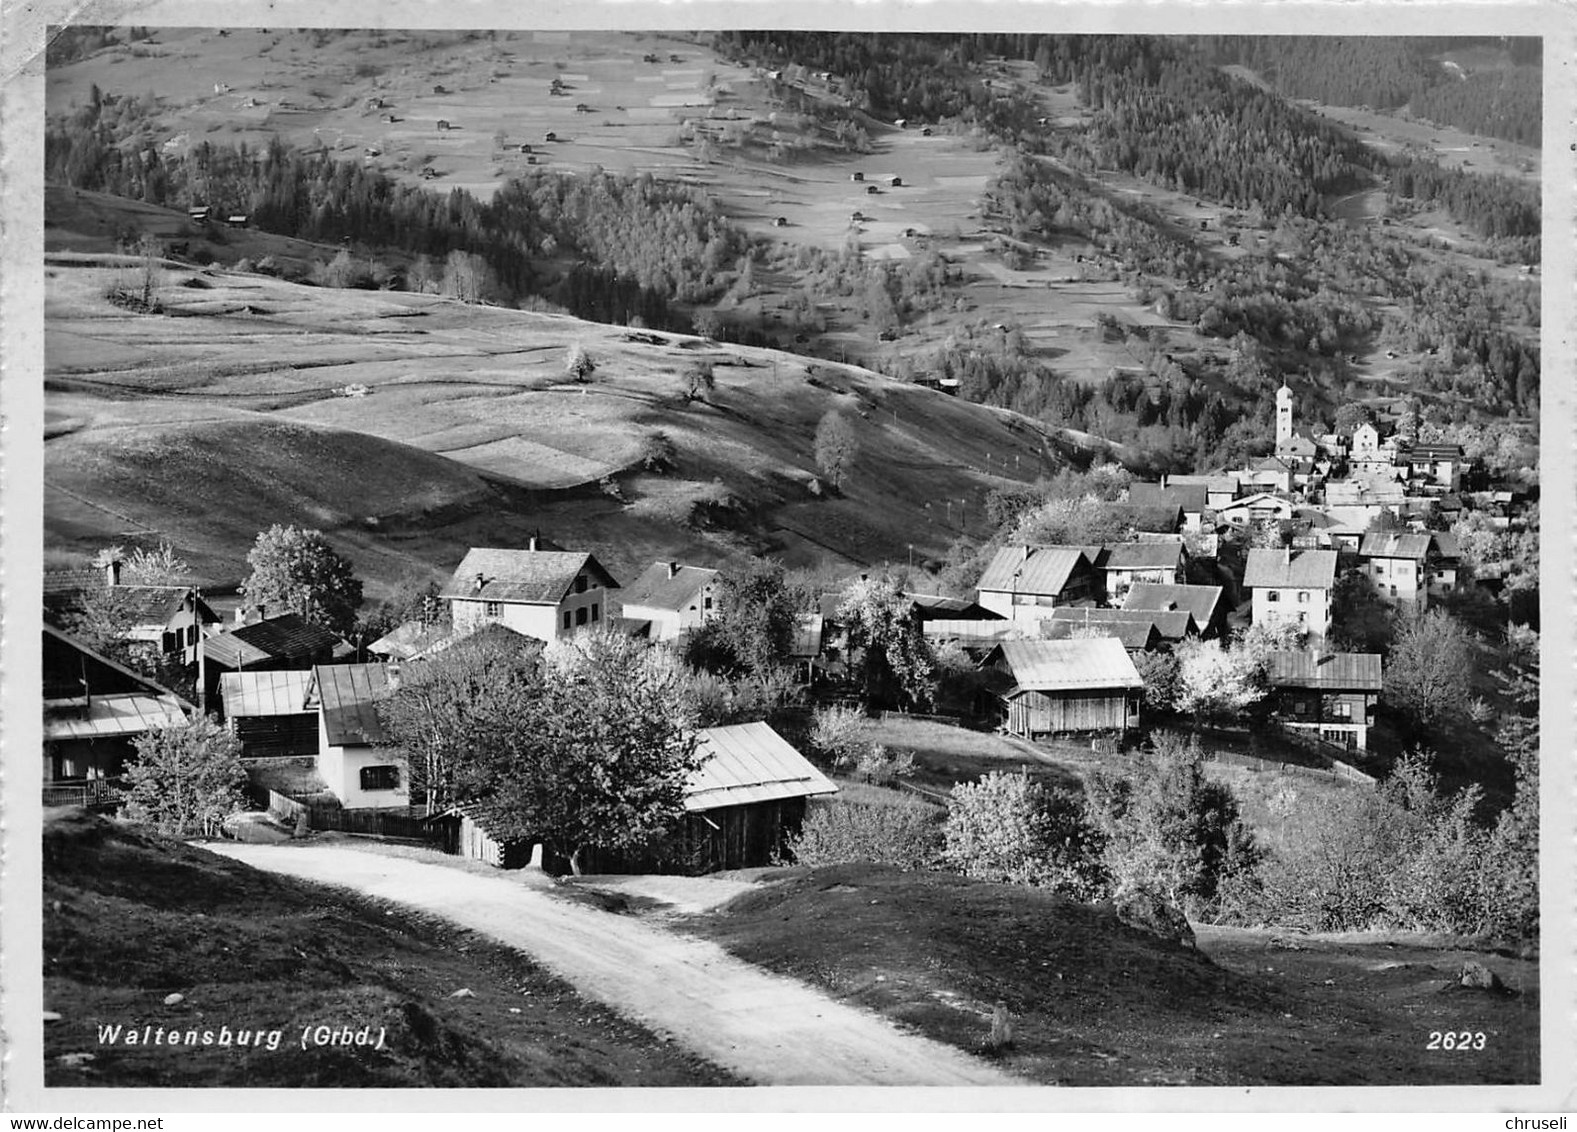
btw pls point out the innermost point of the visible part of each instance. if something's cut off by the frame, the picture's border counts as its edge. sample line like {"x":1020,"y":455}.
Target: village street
{"x":769,"y":1029}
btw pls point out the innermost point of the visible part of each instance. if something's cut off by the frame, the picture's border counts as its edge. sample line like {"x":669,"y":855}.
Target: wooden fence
{"x":371,"y":823}
{"x":94,"y":793}
{"x":949,"y":720}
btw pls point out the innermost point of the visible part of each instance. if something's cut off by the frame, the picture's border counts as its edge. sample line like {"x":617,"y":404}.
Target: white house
{"x":537,"y":592}
{"x":673,"y":597}
{"x":362,"y":773}
{"x":1024,"y":583}
{"x":1292,"y":588}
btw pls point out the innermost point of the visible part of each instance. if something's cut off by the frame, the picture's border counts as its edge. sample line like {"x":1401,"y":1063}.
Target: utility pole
{"x":202,"y":672}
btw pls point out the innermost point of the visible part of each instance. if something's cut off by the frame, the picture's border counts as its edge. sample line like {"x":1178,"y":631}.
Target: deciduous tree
{"x":1427,"y":675}
{"x":896,"y":660}
{"x":836,"y":446}
{"x":185,"y":780}
{"x":297,"y":570}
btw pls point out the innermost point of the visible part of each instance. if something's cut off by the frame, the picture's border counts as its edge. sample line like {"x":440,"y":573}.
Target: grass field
{"x":1096,"y":1003}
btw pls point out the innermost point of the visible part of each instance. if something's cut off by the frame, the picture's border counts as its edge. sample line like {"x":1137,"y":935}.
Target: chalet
{"x":1052,"y":687}
{"x":1408,"y":566}
{"x":742,"y":804}
{"x":1268,"y":474}
{"x":94,"y":711}
{"x":354,"y":760}
{"x":267,"y":711}
{"x":1122,"y":565}
{"x":1149,"y":518}
{"x":269,"y":644}
{"x":933,"y":607}
{"x":856,"y":176}
{"x":780,"y":222}
{"x":1189,"y":499}
{"x":1024,"y":583}
{"x":925,"y":131}
{"x":443,"y":123}
{"x":550,"y":136}
{"x":674,"y":598}
{"x":1436,"y":467}
{"x":872,"y":190}
{"x":1220,"y":488}
{"x":1205,"y":605}
{"x":895,"y":182}
{"x":165,"y":621}
{"x":198,"y":214}
{"x":536,"y":591}
{"x":1292,"y":589}
{"x":525,"y":148}
{"x":1445,"y":564}
{"x":1371,"y":491}
{"x":1258,"y":507}
{"x":1332,"y":695}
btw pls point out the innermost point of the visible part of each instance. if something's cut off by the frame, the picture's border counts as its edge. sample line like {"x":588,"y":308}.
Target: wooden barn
{"x":1051,"y":687}
{"x":268,"y":713}
{"x":741,"y":806}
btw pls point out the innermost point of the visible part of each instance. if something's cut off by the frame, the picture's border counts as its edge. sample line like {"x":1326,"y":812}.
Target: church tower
{"x":1283,"y":415}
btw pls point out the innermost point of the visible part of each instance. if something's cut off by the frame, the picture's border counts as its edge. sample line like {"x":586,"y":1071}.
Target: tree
{"x":1167,"y":828}
{"x":160,"y":566}
{"x":1512,"y":856}
{"x":577,"y":364}
{"x":1351,"y":415}
{"x":881,"y":627}
{"x":150,"y":271}
{"x":1214,"y":682}
{"x":603,"y":759}
{"x":1159,"y":671}
{"x":1084,"y":521}
{"x":1360,"y":620}
{"x":753,"y":633}
{"x":467,"y":277}
{"x":421,"y":277}
{"x":297,"y":570}
{"x":836,"y":446}
{"x":1010,"y":829}
{"x":700,"y":381}
{"x":444,"y":712}
{"x":1427,"y":675}
{"x":185,"y":780}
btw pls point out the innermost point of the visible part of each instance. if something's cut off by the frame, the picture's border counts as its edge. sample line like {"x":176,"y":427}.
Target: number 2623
{"x":1456,"y":1039}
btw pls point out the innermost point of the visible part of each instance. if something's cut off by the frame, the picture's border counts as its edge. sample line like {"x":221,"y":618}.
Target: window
{"x":492,"y":609}
{"x":1341,"y":709}
{"x":580,"y":583}
{"x":172,"y":641}
{"x":191,"y":634}
{"x":1273,"y":595}
{"x":706,"y":604}
{"x":380,"y":777}
{"x":594,"y":611}
{"x":1303,"y":597}
{"x":580,"y":616}
{"x":567,"y":619}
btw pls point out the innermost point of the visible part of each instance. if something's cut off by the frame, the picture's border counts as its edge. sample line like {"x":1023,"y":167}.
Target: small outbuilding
{"x":871,"y":190}
{"x":1058,"y":687}
{"x":550,"y":136}
{"x":443,"y":123}
{"x":780,"y":222}
{"x":856,"y":176}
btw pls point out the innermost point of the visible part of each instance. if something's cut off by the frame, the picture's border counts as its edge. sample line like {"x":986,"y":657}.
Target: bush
{"x":876,"y":766}
{"x":838,"y":735}
{"x":904,"y":833}
{"x":1009,"y":829}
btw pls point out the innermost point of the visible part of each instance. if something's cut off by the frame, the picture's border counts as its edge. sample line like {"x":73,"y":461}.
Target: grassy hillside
{"x":131,"y":918}
{"x":1099,"y":1003}
{"x":229,"y":411}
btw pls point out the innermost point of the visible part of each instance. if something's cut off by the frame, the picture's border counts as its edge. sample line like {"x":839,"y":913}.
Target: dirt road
{"x":771,"y":1030}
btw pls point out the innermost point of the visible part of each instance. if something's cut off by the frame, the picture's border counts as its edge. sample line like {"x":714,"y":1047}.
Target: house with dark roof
{"x":1024,"y":583}
{"x":94,"y":711}
{"x":163,"y":620}
{"x":1124,"y":564}
{"x":1188,"y":498}
{"x":935,"y":607}
{"x":1052,"y":687}
{"x":1397,"y":564}
{"x":1149,"y":518}
{"x":1331,"y":695}
{"x":1221,"y":488}
{"x":673,"y":597}
{"x":1205,"y":606}
{"x":353,"y":758}
{"x":1434,"y":467}
{"x":1259,"y":506}
{"x":542,"y":593}
{"x":1292,"y":588}
{"x":284,"y":641}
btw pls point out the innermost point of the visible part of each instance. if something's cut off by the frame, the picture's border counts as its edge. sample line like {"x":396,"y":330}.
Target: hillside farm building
{"x":268,"y":712}
{"x":1055,"y":687}
{"x":538,"y":592}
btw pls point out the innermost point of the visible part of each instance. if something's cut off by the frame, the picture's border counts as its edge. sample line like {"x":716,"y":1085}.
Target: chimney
{"x":531,"y":543}
{"x":112,"y":572}
{"x":481,"y":579}
{"x":673,"y":569}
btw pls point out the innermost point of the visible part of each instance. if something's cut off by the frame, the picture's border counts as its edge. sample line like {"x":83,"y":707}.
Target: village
{"x":1055,"y":632}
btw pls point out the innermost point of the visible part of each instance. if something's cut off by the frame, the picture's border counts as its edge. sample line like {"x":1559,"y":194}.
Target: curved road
{"x":766,"y":1028}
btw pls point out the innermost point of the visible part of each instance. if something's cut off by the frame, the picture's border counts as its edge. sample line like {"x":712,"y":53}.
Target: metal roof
{"x":1130,"y":633}
{"x":1390,"y":544}
{"x":289,"y":636}
{"x":347,"y":695}
{"x":1173,"y":625}
{"x":532,"y":577}
{"x":113,"y":716}
{"x":1033,"y":569}
{"x":1342,"y":671}
{"x":1143,"y":556}
{"x":1308,"y":569}
{"x":409,"y":639}
{"x":265,"y":693}
{"x":1200,"y":602}
{"x":668,"y":586}
{"x":807,"y":636}
{"x":1162,"y":518}
{"x":749,"y":762}
{"x":967,"y":630}
{"x":1045,"y":666}
{"x":1188,"y":496}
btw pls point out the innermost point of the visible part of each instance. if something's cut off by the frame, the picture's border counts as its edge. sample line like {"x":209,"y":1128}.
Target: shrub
{"x":880,"y":768}
{"x":904,"y":833}
{"x":1010,"y":829}
{"x":837,"y":735}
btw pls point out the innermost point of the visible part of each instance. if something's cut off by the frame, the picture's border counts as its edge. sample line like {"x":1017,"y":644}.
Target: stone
{"x":464,"y":992}
{"x":1479,"y":977}
{"x":173,"y":999}
{"x":1148,"y":911}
